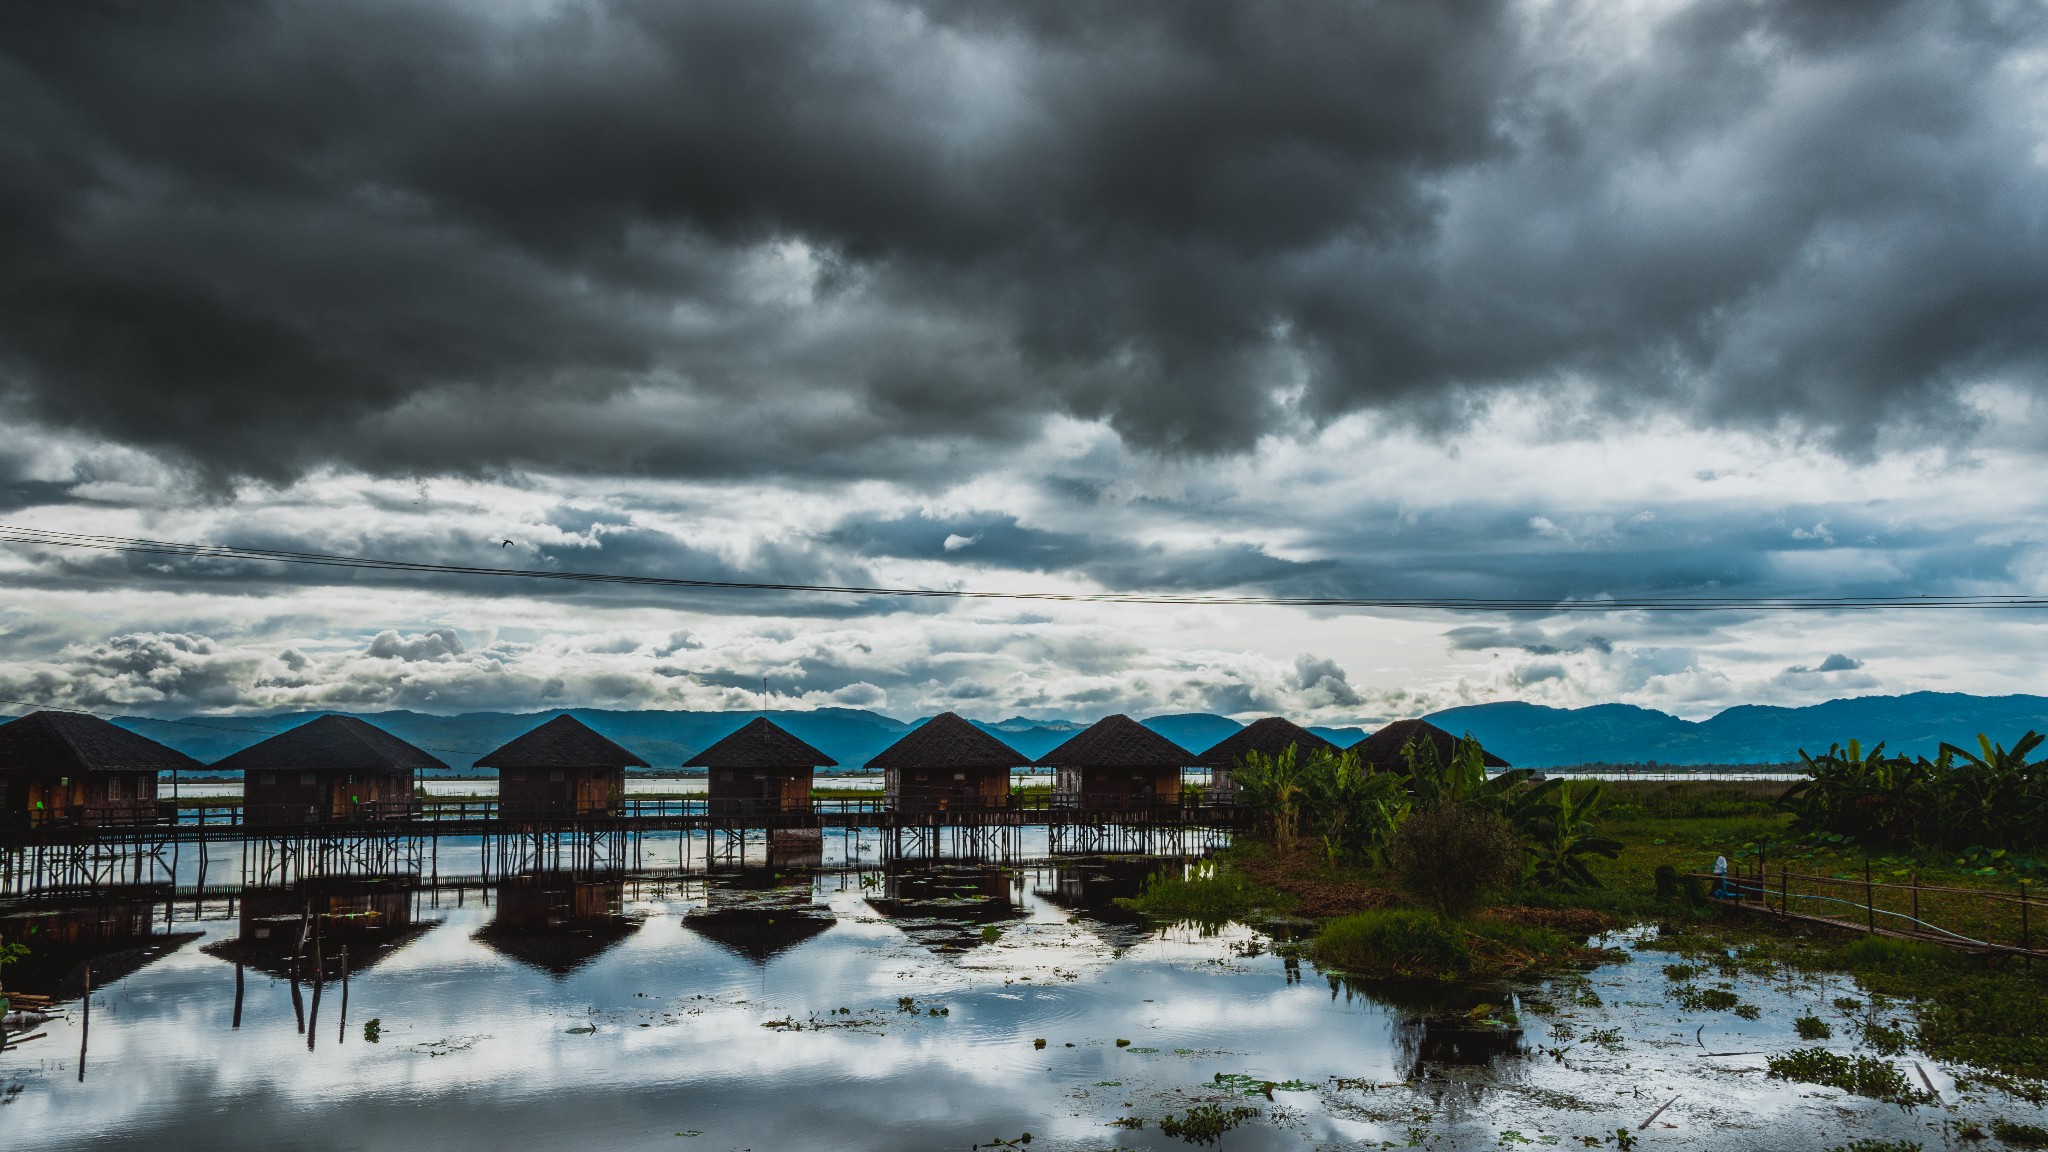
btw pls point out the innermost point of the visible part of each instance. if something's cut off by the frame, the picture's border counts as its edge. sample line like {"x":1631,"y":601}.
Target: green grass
{"x":1406,"y":943}
{"x":1858,"y":1075}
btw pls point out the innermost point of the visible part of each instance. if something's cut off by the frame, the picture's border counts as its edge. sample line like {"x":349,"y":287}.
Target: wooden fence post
{"x":1869,"y":901}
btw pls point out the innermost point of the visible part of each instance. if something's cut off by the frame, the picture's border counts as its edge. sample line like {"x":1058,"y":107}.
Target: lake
{"x":838,"y":998}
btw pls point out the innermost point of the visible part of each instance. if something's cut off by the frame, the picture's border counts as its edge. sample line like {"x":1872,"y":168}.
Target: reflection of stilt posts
{"x":84,"y":1022}
{"x":341,"y":1025}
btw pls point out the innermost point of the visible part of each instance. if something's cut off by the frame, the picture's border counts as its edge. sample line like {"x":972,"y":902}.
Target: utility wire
{"x":43,"y":537}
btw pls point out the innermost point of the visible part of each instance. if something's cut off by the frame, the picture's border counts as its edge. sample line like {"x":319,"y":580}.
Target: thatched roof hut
{"x":1114,"y":762}
{"x":1271,"y":736}
{"x":947,"y":764}
{"x":328,"y":769}
{"x":759,"y":769}
{"x":68,"y":767}
{"x":1381,"y":751}
{"x":559,"y":770}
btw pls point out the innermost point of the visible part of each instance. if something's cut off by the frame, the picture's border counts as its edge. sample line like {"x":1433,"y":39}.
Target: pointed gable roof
{"x":760,"y":743}
{"x":947,"y":741}
{"x":564,"y":742}
{"x":1117,"y":742}
{"x":1382,"y":750}
{"x":329,"y":743}
{"x":76,"y":743}
{"x":1268,"y":737}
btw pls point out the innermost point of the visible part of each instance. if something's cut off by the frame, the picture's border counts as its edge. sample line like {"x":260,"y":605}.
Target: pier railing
{"x":1978,"y":920}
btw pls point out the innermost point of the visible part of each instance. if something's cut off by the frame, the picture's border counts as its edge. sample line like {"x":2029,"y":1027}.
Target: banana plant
{"x":1557,"y":830}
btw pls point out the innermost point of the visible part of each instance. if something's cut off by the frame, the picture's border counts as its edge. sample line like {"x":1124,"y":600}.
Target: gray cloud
{"x":868,"y":237}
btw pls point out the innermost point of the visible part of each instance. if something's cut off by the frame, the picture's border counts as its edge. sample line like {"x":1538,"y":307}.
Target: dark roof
{"x":760,"y":744}
{"x":1268,"y":737}
{"x":1382,"y":749}
{"x":73,"y":742}
{"x":564,"y":742}
{"x":757,"y":934}
{"x":1117,"y":742}
{"x":333,"y":743}
{"x":947,"y":741}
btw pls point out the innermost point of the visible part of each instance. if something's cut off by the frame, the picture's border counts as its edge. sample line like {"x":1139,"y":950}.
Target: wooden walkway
{"x":1981,"y":921}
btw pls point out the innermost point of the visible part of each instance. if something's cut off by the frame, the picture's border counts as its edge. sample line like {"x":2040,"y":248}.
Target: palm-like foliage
{"x":1555,"y":822}
{"x":1993,"y":796}
{"x":1271,"y":787}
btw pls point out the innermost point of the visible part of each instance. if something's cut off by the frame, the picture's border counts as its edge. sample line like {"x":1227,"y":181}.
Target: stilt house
{"x":1117,"y":763}
{"x":69,"y":768}
{"x":1271,"y":736}
{"x":331,"y":770}
{"x":947,"y":765}
{"x":1381,"y":751}
{"x":560,"y":770}
{"x":759,"y":770}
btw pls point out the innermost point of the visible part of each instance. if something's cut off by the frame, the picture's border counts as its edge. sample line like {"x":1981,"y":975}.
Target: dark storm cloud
{"x":1000,"y":542}
{"x":863,"y":236}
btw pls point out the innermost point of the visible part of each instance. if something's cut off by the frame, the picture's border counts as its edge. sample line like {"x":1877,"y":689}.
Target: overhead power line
{"x":43,"y":537}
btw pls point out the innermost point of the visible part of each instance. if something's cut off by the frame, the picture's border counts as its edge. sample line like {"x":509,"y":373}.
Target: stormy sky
{"x":1540,"y":299}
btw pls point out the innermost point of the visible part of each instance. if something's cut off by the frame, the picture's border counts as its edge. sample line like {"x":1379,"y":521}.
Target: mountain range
{"x":1526,"y":735}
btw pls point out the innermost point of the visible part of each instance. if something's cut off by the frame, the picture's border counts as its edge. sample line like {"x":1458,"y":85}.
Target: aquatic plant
{"x":1873,"y":1144}
{"x":1857,"y":1075}
{"x":2019,"y":1135}
{"x":1813,"y":1028}
{"x":1205,"y":1123}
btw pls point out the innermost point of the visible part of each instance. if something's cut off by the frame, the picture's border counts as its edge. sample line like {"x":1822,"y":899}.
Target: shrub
{"x":1813,"y":1028}
{"x":1392,"y":941}
{"x":1454,"y":858}
{"x":1211,"y":897}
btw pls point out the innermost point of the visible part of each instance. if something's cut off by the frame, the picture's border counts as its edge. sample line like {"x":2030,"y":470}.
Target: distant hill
{"x":1526,"y":735}
{"x":1533,"y":736}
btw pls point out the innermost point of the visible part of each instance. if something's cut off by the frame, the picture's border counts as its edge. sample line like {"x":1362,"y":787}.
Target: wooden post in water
{"x":2026,"y":934}
{"x":84,"y":1022}
{"x":341,"y":1028}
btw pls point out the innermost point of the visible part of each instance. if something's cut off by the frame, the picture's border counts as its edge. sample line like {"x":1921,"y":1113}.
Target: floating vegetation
{"x":373,"y":1030}
{"x":1887,"y":1041}
{"x":1748,"y":1011}
{"x":1245,"y":1085}
{"x":1705,"y":999}
{"x":1205,"y":1123}
{"x":1680,"y":973}
{"x":1872,"y":1144}
{"x":1858,"y":1075}
{"x":1813,"y":1028}
{"x":2020,"y":1135}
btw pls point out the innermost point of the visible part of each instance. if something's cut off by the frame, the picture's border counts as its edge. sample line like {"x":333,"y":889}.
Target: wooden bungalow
{"x":1381,"y":751}
{"x":947,"y":765}
{"x":71,"y":768}
{"x":330,"y":770}
{"x":1271,"y":736}
{"x":560,"y":770}
{"x":759,"y":770}
{"x":1117,"y":762}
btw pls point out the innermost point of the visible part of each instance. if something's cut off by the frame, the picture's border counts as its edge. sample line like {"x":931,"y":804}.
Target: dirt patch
{"x":1569,"y":921}
{"x":1318,"y":894}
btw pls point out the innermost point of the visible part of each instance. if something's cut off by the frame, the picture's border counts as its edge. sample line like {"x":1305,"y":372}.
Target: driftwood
{"x":1657,"y":1113}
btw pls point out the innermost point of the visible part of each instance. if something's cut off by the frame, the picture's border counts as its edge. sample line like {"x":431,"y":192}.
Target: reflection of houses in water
{"x":558,"y":922}
{"x":300,"y":931}
{"x":946,"y":907}
{"x":114,"y":933}
{"x":1440,"y":1029}
{"x":1092,"y":887}
{"x":758,"y":913}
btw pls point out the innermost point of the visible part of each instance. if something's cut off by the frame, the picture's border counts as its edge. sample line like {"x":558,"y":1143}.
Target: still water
{"x":849,"y":1002}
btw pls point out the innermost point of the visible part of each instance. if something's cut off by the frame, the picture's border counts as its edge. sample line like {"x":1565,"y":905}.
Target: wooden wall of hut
{"x":30,"y":799}
{"x":758,"y":791}
{"x":1099,"y":786}
{"x":324,"y":796}
{"x":558,"y":793}
{"x":945,"y":790}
